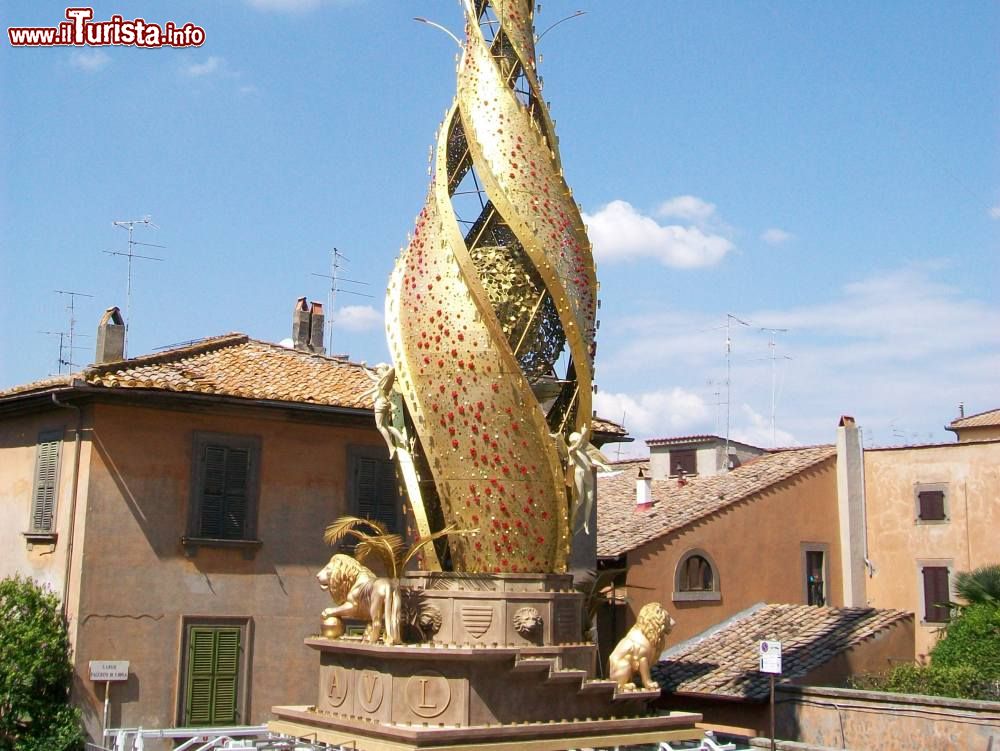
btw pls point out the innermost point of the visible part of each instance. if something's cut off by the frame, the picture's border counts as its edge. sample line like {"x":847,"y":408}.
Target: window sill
{"x":921,"y":522}
{"x":40,"y":538}
{"x":191,"y":545}
{"x":696,"y":596}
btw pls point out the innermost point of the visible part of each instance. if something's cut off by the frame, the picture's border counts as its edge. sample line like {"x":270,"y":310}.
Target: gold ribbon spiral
{"x":490,"y":313}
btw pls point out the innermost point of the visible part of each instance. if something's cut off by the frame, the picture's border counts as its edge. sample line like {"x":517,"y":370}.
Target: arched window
{"x":696,"y":577}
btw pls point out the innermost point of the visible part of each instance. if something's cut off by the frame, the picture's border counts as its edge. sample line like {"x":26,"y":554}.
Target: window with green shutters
{"x":43,"y":500}
{"x":212,"y":691}
{"x":372,"y":486}
{"x":224,"y":487}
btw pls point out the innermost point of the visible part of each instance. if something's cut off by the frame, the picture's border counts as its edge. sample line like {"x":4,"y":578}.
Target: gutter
{"x":72,"y":502}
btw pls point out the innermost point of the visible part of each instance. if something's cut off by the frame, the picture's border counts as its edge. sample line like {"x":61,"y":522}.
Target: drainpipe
{"x":72,"y":501}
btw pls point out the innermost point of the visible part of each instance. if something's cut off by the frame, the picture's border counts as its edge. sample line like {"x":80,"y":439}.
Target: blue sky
{"x":831,"y":169}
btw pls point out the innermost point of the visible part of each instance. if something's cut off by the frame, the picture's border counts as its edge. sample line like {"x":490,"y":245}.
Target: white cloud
{"x":90,"y":60}
{"x":756,"y":430}
{"x":620,"y":233}
{"x":775,"y":236}
{"x":650,"y":412}
{"x":357,"y":318}
{"x":995,"y":212}
{"x":897,"y":350}
{"x":211,"y":66}
{"x":691,"y":208}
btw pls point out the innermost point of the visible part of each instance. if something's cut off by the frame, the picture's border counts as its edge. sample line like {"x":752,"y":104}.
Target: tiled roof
{"x":621,"y":527}
{"x":607,"y":427}
{"x":724,"y":660}
{"x":990,"y":418}
{"x":232,"y":366}
{"x":682,"y":440}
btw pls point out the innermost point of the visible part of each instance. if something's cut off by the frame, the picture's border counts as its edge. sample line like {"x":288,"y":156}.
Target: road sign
{"x":109,"y":670}
{"x":770,"y":657}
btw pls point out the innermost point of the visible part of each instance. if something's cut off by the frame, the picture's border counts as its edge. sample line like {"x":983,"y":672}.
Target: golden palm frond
{"x":346,"y":525}
{"x":420,"y":544}
{"x":387,"y":548}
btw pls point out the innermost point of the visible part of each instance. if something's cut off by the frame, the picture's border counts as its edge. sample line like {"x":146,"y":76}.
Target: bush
{"x":959,"y":682}
{"x":35,"y":671}
{"x":972,"y":638}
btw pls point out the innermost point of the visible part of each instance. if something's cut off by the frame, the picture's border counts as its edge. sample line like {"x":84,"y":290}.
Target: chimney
{"x":316,"y":329}
{"x":110,"y":337}
{"x":961,"y":410}
{"x":851,"y":507}
{"x":643,"y":491}
{"x":307,"y":327}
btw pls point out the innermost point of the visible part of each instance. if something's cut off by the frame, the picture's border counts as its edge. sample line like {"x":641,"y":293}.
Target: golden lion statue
{"x":641,"y":648}
{"x":357,"y":593}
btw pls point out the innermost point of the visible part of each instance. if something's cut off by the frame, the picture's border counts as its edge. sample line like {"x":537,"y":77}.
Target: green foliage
{"x":958,"y":681}
{"x":35,"y":671}
{"x":972,"y":639}
{"x":979,"y":586}
{"x":965,"y":663}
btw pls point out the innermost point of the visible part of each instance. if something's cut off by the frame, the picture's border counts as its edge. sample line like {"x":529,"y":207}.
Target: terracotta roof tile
{"x":724,"y":660}
{"x":622,"y":527}
{"x":989,"y":418}
{"x":234,"y":366}
{"x":607,"y":427}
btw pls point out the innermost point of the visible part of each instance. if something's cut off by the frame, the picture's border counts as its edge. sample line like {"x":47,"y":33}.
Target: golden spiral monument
{"x":490,"y":316}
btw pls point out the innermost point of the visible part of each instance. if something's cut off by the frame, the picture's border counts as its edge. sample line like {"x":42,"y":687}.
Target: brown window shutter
{"x":931,"y":505}
{"x":936,"y":594}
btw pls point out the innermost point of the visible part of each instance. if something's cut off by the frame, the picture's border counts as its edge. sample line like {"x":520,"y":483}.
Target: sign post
{"x":107,"y":671}
{"x":770,"y":662}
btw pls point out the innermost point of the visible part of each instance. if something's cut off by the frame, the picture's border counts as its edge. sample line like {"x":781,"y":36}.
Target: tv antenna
{"x":71,"y":309}
{"x":729,"y":381}
{"x":130,"y":225}
{"x":771,"y":356}
{"x":336,"y":264}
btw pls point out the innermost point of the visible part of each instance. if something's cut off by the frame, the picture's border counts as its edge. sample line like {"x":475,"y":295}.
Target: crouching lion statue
{"x":357,"y":593}
{"x":641,"y":648}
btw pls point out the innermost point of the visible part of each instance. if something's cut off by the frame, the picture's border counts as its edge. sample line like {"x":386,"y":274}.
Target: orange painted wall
{"x":137,"y":581}
{"x":897,"y":542}
{"x":757,"y":548}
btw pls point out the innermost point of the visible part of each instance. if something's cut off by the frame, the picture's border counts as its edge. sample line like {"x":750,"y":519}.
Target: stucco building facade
{"x":176,"y":502}
{"x":931,"y":511}
{"x":715,"y":545}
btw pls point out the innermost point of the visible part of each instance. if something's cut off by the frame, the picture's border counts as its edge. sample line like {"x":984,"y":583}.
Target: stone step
{"x":532,"y":664}
{"x":566,"y":675}
{"x":639,"y":694}
{"x":598,"y":686}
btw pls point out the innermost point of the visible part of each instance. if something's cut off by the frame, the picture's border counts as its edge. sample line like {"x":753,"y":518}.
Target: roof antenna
{"x":334,"y":276}
{"x":729,"y":396}
{"x":71,"y":309}
{"x":770,"y":346}
{"x":130,"y":224}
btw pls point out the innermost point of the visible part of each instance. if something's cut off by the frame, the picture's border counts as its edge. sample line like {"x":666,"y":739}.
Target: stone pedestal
{"x":502,"y":662}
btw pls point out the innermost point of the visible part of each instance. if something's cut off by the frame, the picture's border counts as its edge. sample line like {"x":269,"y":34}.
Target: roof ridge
{"x":977,"y":414}
{"x":199,"y":347}
{"x":331,"y":358}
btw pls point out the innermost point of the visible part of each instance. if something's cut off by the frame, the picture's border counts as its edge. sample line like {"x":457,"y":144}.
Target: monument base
{"x":504,"y":666}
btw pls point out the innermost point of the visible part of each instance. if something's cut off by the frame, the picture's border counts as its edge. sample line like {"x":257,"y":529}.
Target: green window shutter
{"x":212,"y":675}
{"x":227,"y":668}
{"x":43,"y":502}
